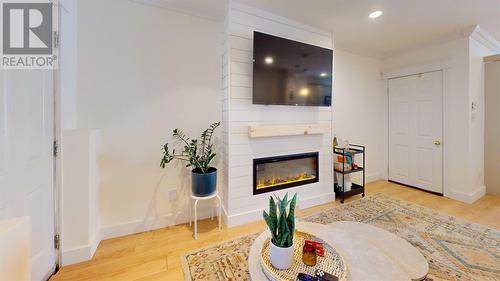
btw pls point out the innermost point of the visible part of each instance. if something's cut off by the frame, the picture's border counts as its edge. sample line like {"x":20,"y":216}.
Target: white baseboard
{"x":374,"y":177}
{"x":148,"y":224}
{"x":127,"y":228}
{"x":243,"y":218}
{"x":81,"y":254}
{"x":255,"y":215}
{"x":95,"y":243}
{"x":316,"y":200}
{"x":469,"y":197}
{"x":86,"y":252}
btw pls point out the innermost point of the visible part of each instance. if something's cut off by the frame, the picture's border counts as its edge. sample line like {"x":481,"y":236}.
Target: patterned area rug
{"x":455,"y":249}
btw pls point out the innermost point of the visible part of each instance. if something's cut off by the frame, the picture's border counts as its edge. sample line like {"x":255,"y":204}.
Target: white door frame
{"x":57,"y":158}
{"x":57,"y":169}
{"x":443,"y":65}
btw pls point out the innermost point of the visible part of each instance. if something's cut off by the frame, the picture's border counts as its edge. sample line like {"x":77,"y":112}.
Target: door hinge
{"x":56,"y":39}
{"x":55,"y":149}
{"x":57,"y":241}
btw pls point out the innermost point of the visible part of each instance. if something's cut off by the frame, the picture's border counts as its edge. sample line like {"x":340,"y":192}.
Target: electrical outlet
{"x":172,"y":195}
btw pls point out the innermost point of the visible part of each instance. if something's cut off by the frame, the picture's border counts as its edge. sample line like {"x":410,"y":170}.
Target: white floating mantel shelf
{"x":262,"y":131}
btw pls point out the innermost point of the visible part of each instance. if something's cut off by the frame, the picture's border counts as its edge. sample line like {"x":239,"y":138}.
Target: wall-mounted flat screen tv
{"x":287,"y":72}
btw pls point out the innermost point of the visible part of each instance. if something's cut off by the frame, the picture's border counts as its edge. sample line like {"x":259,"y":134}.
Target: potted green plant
{"x":198,"y":155}
{"x":282,"y":227}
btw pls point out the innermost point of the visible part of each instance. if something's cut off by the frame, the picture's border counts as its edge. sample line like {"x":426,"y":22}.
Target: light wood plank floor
{"x":155,"y":255}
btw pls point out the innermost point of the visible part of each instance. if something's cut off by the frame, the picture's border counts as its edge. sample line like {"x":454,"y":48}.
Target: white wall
{"x":80,"y":230}
{"x":67,"y":94}
{"x":463,"y":128}
{"x":143,"y":71}
{"x":358,"y":107}
{"x":239,"y":113}
{"x":453,"y":57}
{"x":477,"y":96}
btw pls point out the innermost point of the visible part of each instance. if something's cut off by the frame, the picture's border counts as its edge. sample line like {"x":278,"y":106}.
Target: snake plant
{"x":280,"y":223}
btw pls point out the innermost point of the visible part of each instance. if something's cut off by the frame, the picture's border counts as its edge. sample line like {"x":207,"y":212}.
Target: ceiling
{"x":405,"y":23}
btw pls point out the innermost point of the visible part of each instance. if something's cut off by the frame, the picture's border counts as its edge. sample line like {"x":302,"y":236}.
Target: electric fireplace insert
{"x":281,"y":172}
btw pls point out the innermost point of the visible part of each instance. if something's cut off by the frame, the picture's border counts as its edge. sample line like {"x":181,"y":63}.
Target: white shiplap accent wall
{"x":239,"y":113}
{"x":225,"y":115}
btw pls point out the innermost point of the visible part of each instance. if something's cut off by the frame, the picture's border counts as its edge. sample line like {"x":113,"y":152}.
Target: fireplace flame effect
{"x":277,"y":181}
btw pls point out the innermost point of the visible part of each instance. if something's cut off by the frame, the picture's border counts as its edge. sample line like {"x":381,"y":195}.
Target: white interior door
{"x":26,"y":159}
{"x":416,"y":130}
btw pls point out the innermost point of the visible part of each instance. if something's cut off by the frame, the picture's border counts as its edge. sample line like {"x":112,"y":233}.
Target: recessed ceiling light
{"x":269,"y":60}
{"x":375,"y":14}
{"x":323,"y":74}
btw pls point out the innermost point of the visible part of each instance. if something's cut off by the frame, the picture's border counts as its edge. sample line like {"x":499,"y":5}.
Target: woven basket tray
{"x":332,"y":262}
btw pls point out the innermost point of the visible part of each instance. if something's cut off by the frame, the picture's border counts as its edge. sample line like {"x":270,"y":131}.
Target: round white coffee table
{"x":371,"y":253}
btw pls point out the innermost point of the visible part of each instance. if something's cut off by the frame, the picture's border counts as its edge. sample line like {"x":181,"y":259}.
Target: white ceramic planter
{"x":281,"y":258}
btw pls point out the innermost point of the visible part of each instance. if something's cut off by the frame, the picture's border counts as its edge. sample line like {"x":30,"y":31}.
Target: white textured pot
{"x":281,"y":258}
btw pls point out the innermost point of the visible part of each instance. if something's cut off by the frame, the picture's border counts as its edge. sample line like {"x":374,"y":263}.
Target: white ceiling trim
{"x":464,"y":33}
{"x":175,"y":8}
{"x":483,"y":37}
{"x":475,"y":32}
{"x":270,"y":16}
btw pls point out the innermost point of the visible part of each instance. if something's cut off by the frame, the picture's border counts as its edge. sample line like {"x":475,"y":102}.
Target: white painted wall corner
{"x":80,"y":254}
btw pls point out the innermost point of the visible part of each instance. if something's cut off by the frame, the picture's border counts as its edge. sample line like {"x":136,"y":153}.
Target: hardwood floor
{"x":155,"y":255}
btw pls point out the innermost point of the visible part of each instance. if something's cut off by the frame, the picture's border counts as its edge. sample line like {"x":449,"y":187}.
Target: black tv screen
{"x":287,"y":72}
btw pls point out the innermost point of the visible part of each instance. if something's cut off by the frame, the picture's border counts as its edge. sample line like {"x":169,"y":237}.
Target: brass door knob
{"x":437,"y":142}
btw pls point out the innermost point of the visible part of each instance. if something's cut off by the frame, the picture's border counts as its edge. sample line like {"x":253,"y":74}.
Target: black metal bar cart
{"x":356,"y":188}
